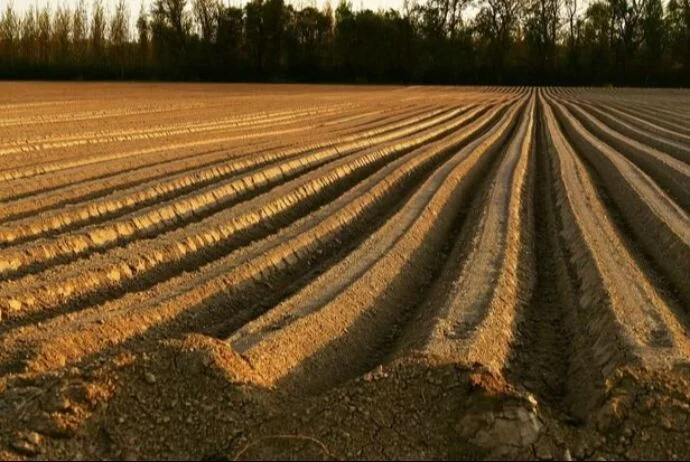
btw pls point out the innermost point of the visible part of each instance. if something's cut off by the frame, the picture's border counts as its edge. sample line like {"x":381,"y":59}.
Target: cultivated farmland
{"x":240,"y":271}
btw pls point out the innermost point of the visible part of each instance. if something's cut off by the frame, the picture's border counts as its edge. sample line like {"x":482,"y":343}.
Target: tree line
{"x":627,"y":42}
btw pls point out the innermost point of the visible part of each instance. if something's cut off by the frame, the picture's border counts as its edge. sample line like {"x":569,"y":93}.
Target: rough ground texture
{"x":256,"y":272}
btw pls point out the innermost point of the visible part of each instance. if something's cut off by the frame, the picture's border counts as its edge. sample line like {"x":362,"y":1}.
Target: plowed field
{"x":242,"y":272}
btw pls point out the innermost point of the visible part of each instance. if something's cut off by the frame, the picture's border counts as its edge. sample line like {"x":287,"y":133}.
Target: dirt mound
{"x":191,"y":399}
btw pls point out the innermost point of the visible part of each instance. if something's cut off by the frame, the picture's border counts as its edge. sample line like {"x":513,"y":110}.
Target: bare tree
{"x":571,"y":18}
{"x":119,"y":35}
{"x":62,"y":29}
{"x":44,"y":34}
{"x":119,"y":25}
{"x":438,"y":18}
{"x":79,"y":31}
{"x":143,"y":30}
{"x":29,"y":36}
{"x":206,"y":13}
{"x":178,"y":18}
{"x":496,"y":24}
{"x":98,"y":24}
{"x":9,"y":33}
{"x":541,"y":30}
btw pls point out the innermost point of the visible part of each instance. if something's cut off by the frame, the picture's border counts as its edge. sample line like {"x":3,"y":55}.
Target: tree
{"x":428,"y":41}
{"x":597,"y":45}
{"x":9,"y":35}
{"x":653,"y":34}
{"x":44,"y":35}
{"x":255,"y":35}
{"x":229,"y":39}
{"x":495,"y":24}
{"x":119,"y":35}
{"x":29,"y":37}
{"x":440,"y":17}
{"x":143,"y":35}
{"x":274,"y":20}
{"x":97,"y":36}
{"x":170,"y":27}
{"x":677,"y":24}
{"x":309,"y":39}
{"x":345,"y":39}
{"x":541,"y":27}
{"x":206,"y":13}
{"x":62,"y":40}
{"x":574,"y":23}
{"x":178,"y":19}
{"x":79,"y":33}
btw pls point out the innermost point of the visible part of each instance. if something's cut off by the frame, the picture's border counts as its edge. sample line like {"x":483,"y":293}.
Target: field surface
{"x":243,"y":271}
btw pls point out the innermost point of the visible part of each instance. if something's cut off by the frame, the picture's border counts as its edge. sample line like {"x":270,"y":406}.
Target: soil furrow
{"x":118,"y":204}
{"x":612,"y":286}
{"x":660,"y":225}
{"x":653,"y":118}
{"x":669,"y":173}
{"x":21,"y":146}
{"x":645,"y":132}
{"x":68,"y":157}
{"x":23,"y":205}
{"x":137,"y":260}
{"x":198,"y":205}
{"x":138,"y":165}
{"x":349,"y":324}
{"x":551,"y":354}
{"x":224,"y":281}
{"x":286,"y":271}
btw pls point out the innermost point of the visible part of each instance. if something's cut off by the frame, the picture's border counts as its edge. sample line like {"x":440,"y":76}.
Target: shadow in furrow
{"x":120,"y":187}
{"x":649,"y":264}
{"x":241,"y":302}
{"x":330,"y":255}
{"x":209,"y":210}
{"x":193,"y":261}
{"x":161,"y":199}
{"x":541,"y":358}
{"x":150,"y":234}
{"x":405,"y":294}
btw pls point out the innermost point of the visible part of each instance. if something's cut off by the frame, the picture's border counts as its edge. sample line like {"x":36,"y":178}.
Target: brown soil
{"x":319,"y":272}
